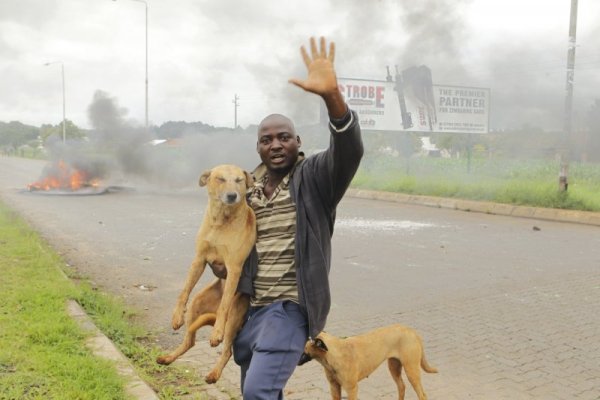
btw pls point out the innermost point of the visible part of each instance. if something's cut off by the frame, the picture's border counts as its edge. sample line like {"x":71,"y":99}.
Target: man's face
{"x":277,"y":143}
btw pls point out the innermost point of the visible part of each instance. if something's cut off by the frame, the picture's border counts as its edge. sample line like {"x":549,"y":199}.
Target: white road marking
{"x":364,"y":225}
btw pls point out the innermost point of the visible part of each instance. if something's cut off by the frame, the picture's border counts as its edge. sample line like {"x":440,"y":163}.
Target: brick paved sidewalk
{"x":539,"y":343}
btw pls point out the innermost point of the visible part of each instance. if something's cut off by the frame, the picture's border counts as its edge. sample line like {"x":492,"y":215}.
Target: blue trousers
{"x":268,"y":348}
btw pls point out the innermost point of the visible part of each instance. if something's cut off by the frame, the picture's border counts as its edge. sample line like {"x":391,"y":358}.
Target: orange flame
{"x":64,"y":177}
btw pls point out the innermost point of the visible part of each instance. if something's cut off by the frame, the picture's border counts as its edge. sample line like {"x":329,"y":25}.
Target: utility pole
{"x":235,"y":107}
{"x":563,"y":181}
{"x":146,"y":4}
{"x":146,"y":80}
{"x":64,"y":121}
{"x":64,"y":124}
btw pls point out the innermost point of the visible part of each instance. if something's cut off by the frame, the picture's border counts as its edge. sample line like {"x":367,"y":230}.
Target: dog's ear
{"x":320,"y":344}
{"x":249,"y":179}
{"x":204,"y":178}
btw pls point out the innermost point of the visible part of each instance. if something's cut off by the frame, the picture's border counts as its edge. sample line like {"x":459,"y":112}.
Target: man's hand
{"x":321,"y":78}
{"x":219,"y":270}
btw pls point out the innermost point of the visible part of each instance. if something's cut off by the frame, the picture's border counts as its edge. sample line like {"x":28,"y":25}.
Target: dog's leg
{"x":336,"y":391}
{"x":334,"y":387}
{"x":413,"y":373}
{"x":195,"y":272}
{"x":190,"y":338}
{"x":352,"y":391}
{"x":233,"y":277}
{"x":235,"y":320}
{"x":395,"y":368}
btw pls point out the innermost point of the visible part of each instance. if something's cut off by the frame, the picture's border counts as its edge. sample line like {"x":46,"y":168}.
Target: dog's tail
{"x":425,"y":365}
{"x":203,"y":320}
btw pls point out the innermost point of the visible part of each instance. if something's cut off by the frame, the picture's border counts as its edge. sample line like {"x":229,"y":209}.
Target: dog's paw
{"x":164,"y":360}
{"x":177,"y":321}
{"x":216,"y":337}
{"x":212,"y":377}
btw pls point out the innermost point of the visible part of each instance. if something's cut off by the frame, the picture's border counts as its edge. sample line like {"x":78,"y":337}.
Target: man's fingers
{"x":305,"y":56}
{"x":331,"y":52}
{"x":317,"y":64}
{"x":318,"y":53}
{"x":323,"y":48}
{"x":313,"y":48}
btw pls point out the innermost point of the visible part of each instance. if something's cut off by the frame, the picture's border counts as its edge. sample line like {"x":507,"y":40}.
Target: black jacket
{"x":316,"y":186}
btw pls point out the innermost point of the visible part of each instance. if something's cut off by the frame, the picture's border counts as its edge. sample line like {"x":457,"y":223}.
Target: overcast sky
{"x":201,"y":53}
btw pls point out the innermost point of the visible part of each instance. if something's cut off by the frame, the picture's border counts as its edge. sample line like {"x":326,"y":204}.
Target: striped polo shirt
{"x":275,"y":244}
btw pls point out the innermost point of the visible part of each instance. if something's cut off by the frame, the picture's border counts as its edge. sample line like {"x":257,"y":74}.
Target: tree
{"x":72,"y":131}
{"x":14,"y":134}
{"x":455,"y":143}
{"x":177,"y":129}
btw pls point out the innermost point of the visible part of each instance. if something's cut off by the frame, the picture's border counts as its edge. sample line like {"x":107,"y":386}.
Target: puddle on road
{"x":363,"y":225}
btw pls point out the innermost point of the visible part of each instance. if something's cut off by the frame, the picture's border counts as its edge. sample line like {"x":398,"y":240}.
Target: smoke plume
{"x":133,"y":154}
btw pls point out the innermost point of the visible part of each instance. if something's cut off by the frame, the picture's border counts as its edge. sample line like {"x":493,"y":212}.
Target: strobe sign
{"x":364,"y":94}
{"x":370,"y":100}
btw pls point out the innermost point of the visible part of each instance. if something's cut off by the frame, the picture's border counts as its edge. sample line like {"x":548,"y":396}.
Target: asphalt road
{"x":388,"y":258}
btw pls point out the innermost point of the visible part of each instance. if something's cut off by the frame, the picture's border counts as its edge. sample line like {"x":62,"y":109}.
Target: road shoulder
{"x":486,"y":207}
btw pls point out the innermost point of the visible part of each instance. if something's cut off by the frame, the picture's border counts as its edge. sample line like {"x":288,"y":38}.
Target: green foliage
{"x":42,"y":350}
{"x":23,"y":140}
{"x":532,"y":183}
{"x":177,"y":129}
{"x":14,"y":134}
{"x":72,"y":131}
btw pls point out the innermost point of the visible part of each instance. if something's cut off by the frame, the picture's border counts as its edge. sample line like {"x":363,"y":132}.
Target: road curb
{"x":103,"y":347}
{"x":548,"y":214}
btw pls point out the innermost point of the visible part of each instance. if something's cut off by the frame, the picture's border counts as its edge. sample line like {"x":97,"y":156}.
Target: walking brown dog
{"x":226,"y":237}
{"x":347,"y":361}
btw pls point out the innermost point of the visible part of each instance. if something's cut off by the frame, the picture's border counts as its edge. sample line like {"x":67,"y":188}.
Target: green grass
{"x":33,"y":153}
{"x":531,"y":183}
{"x":42,"y":351}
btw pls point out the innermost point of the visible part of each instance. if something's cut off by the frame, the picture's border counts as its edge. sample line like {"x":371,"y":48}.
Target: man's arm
{"x":333,"y":169}
{"x":321,"y":78}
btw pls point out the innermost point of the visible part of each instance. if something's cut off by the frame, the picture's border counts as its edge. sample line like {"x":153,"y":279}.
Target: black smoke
{"x":133,"y":154}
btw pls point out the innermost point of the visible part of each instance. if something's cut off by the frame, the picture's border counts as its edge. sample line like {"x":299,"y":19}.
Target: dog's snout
{"x":232,"y":197}
{"x":304,"y":358}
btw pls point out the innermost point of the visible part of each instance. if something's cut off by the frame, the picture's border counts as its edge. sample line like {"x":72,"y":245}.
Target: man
{"x":294,"y":200}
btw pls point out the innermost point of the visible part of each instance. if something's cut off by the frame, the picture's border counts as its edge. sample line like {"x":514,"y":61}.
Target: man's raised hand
{"x":321,"y":78}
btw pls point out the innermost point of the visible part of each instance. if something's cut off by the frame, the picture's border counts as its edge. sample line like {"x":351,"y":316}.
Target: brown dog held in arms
{"x":347,"y":361}
{"x":203,"y":312}
{"x":226,"y":236}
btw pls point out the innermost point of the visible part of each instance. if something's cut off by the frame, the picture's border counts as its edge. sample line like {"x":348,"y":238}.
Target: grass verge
{"x":531,"y":183}
{"x":42,"y":350}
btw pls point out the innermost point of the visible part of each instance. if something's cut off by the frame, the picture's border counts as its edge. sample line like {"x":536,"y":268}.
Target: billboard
{"x":374,"y":101}
{"x":414,"y":103}
{"x":462,"y":109}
